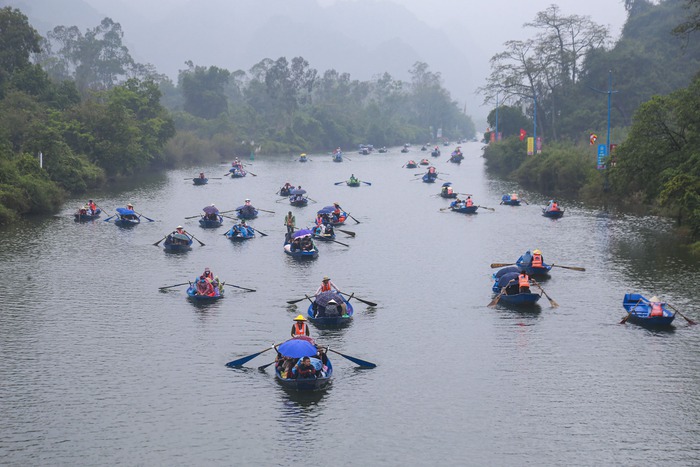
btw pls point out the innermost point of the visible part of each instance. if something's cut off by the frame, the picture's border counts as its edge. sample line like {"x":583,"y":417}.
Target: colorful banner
{"x":602,"y":154}
{"x":539,"y":145}
{"x":530,"y":146}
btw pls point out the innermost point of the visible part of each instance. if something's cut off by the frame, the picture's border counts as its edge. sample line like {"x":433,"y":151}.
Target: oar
{"x":171,"y":286}
{"x":229,"y":217}
{"x":239,"y":287}
{"x":353,"y":218}
{"x":312,"y":200}
{"x":306,"y":297}
{"x":629,"y":313}
{"x":261,"y":233}
{"x":214,"y":178}
{"x":502,"y":265}
{"x":336,"y":241}
{"x":345,"y":157}
{"x":497,"y":297}
{"x":265,"y":366}
{"x":347,"y":232}
{"x":264,"y":210}
{"x":158,"y":242}
{"x":230,"y":210}
{"x":192,"y":217}
{"x":102,"y":209}
{"x":248,"y":171}
{"x":484,"y":207}
{"x":226,"y":174}
{"x":107,"y":220}
{"x":356,"y":360}
{"x":241,"y":361}
{"x":366,"y":302}
{"x":338,"y":183}
{"x":690,"y":321}
{"x":201,"y":243}
{"x":575,"y":268}
{"x":366,"y":183}
{"x":551,"y":302}
{"x":147,"y":218}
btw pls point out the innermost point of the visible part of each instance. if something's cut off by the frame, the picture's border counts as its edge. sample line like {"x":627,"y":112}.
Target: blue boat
{"x":177,"y":242}
{"x":200,"y":181}
{"x":239,"y":233}
{"x":435,"y":153}
{"x":298,"y":202}
{"x":303,"y":158}
{"x":456,"y":157}
{"x":127,"y":218}
{"x":301,"y":245}
{"x":447,"y":192}
{"x":334,"y":220}
{"x":246,"y":212}
{"x":237,"y":172}
{"x":430,"y":177}
{"x":211,"y":222}
{"x":411,"y":164}
{"x":552,"y":214}
{"x":508,"y":200}
{"x":338,"y":157}
{"x":461,"y":207}
{"x":83,"y":215}
{"x":508,"y":280}
{"x":318,"y":311}
{"x":293,"y":350}
{"x":525,"y":261}
{"x":639,"y":310}
{"x":195,"y":296}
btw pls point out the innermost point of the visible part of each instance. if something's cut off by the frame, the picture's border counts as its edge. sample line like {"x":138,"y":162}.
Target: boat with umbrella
{"x":456,"y":156}
{"x":247,"y":211}
{"x":447,"y":191}
{"x":211,"y":218}
{"x":330,"y":309}
{"x":329,"y":215}
{"x":300,"y":245}
{"x":126,"y":218}
{"x":297,"y":198}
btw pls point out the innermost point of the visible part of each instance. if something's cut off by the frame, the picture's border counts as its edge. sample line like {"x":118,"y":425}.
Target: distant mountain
{"x":361,"y":38}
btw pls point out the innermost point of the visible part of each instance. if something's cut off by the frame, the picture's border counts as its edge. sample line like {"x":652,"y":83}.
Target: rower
{"x":300,"y":328}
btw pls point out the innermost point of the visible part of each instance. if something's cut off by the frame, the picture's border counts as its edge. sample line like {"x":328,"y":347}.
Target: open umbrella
{"x":210,"y":209}
{"x":447,"y":184}
{"x":301,"y":233}
{"x":125,"y":212}
{"x":297,"y":348}
{"x":323,"y":298}
{"x":297,"y":191}
{"x":326,"y":210}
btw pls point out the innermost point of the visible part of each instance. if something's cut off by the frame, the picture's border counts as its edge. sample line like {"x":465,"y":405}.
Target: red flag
{"x":523,"y":134}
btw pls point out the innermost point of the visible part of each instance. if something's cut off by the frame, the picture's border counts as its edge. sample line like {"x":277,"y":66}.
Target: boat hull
{"x":353,"y":184}
{"x":552,"y":214}
{"x":428,"y":178}
{"x":300,"y":203}
{"x":210,"y":223}
{"x":511,"y":202}
{"x":122,"y":222}
{"x":301,"y":254}
{"x":87,"y":217}
{"x":465,"y":209}
{"x":331,"y":321}
{"x":638,"y":308}
{"x":318,"y":383}
{"x":200,"y":181}
{"x":193,"y":296}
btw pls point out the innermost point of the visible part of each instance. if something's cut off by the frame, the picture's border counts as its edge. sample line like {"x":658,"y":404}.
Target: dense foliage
{"x":104,"y":126}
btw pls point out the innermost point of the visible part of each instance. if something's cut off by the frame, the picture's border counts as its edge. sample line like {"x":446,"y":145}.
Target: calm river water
{"x":100,"y":368}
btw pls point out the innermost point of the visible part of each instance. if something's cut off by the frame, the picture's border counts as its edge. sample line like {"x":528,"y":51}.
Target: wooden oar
{"x":171,"y":286}
{"x":100,"y":208}
{"x":629,"y":313}
{"x":265,"y":210}
{"x":226,"y":174}
{"x":192,"y":217}
{"x":362,"y":363}
{"x":366,"y":183}
{"x":551,"y":302}
{"x":239,"y":287}
{"x":158,"y":242}
{"x":347,"y":232}
{"x":230,"y":210}
{"x":366,"y":302}
{"x":353,"y":218}
{"x":336,"y":241}
{"x":574,"y":268}
{"x":501,"y":265}
{"x":484,"y":207}
{"x":338,"y":183}
{"x":200,"y":242}
{"x":306,"y":297}
{"x":690,"y":321}
{"x":497,"y":297}
{"x":265,"y":366}
{"x":107,"y":220}
{"x":147,"y":218}
{"x":261,"y":233}
{"x":241,"y":361}
{"x":248,"y":171}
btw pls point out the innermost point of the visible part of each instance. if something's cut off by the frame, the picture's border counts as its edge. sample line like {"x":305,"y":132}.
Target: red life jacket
{"x":536,"y":261}
{"x":523,"y":280}
{"x":300,"y":328}
{"x":656,"y":309}
{"x":469,"y":202}
{"x":326,"y":286}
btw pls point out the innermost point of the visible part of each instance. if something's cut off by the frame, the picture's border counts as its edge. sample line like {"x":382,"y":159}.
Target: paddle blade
{"x":244,"y":360}
{"x":357,"y":361}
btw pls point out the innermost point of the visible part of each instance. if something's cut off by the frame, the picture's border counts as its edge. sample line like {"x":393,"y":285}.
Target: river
{"x":100,"y":368}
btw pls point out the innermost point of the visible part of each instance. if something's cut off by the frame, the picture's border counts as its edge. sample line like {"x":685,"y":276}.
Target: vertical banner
{"x":439,"y":133}
{"x":500,"y":136}
{"x":539,"y":145}
{"x":530,"y":146}
{"x":493,"y":137}
{"x":602,"y":153}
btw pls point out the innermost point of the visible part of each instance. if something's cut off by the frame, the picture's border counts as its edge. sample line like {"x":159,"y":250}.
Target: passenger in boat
{"x":207,"y":275}
{"x":130,"y":216}
{"x":326,"y":286}
{"x":82,"y":211}
{"x":300,"y":328}
{"x":201,"y":175}
{"x":305,"y":369}
{"x":307,"y":244}
{"x":295,"y":245}
{"x":284,"y":365}
{"x":332,"y":310}
{"x":553,"y":205}
{"x":523,"y":282}
{"x":469,"y":203}
{"x":247,"y":209}
{"x":92,"y":206}
{"x":290,"y":222}
{"x":205,"y":288}
{"x":318,"y":230}
{"x":514,"y":197}
{"x":329,"y":230}
{"x":656,"y":307}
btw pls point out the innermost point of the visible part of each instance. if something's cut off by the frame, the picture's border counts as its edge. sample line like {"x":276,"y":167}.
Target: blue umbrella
{"x":297,"y":348}
{"x":210,"y":209}
{"x":301,"y":233}
{"x":125,"y":212}
{"x":447,"y":184}
{"x":326,"y":210}
{"x":297,"y":191}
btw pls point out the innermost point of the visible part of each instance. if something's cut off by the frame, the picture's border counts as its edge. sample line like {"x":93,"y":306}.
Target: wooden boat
{"x":424,"y":162}
{"x":246,"y":214}
{"x":207,"y":222}
{"x":303,"y":158}
{"x":323,"y":236}
{"x":321,"y":320}
{"x":508,"y":201}
{"x":338,"y":157}
{"x":334,"y":221}
{"x":552,"y":214}
{"x":456,"y":157}
{"x":324,"y":370}
{"x":237,"y":172}
{"x":177,"y":242}
{"x":194,"y":296}
{"x":463,"y":208}
{"x":301,"y":253}
{"x":353,"y":182}
{"x":298,"y":202}
{"x":200,"y":181}
{"x":430,"y":177}
{"x":411,"y":164}
{"x":238,"y":233}
{"x":446,"y":191}
{"x":435,"y":153}
{"x":126,"y":218}
{"x":639,"y":310}
{"x":512,"y":295}
{"x":525,"y":261}
{"x":83,"y":216}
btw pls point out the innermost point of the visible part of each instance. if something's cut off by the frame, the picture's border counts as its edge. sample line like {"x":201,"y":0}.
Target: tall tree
{"x":18,"y":40}
{"x":204,"y":90}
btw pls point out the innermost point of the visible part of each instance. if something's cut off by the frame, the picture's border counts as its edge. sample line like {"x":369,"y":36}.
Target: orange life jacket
{"x":656,"y":309}
{"x":536,"y":261}
{"x":469,"y":202}
{"x":326,"y":286}
{"x":555,"y":207}
{"x":300,"y":328}
{"x":523,"y":280}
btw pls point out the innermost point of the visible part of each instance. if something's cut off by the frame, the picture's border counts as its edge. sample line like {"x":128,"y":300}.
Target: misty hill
{"x":361,"y":38}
